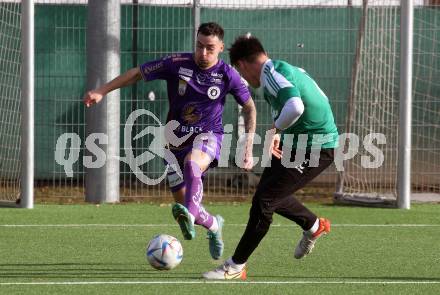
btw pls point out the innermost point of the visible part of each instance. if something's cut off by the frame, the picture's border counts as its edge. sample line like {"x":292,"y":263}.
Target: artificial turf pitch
{"x":86,"y":249}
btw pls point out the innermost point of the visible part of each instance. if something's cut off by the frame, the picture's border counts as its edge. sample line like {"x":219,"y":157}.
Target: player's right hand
{"x":92,"y":97}
{"x":248,"y":161}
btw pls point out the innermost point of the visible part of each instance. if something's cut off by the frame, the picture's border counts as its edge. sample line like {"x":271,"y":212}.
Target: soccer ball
{"x":164,"y":252}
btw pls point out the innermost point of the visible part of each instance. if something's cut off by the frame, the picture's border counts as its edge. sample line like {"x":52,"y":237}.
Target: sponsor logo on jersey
{"x":185,"y":71}
{"x":190,"y":114}
{"x":191,"y":129}
{"x":176,"y":59}
{"x":174,"y":55}
{"x":206,"y":79}
{"x":182,"y":87}
{"x":184,"y":78}
{"x":153,"y":68}
{"x":216,"y":81}
{"x":217,"y":75}
{"x":201,"y":78}
{"x":213,"y":92}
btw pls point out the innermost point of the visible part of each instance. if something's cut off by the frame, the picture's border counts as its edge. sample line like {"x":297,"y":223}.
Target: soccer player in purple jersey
{"x":197,"y":85}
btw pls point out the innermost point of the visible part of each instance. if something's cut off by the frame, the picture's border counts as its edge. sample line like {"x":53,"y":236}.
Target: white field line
{"x":366,"y":282}
{"x":232,"y":224}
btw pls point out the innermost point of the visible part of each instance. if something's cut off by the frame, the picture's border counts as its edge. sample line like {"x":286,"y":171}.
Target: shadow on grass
{"x":89,"y":271}
{"x":342,"y":278}
{"x":124,"y":271}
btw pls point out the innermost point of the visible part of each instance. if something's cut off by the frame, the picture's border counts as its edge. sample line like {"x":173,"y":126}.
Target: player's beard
{"x":203,"y":64}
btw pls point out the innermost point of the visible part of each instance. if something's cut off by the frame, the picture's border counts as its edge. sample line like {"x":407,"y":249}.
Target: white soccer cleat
{"x":307,"y":242}
{"x":226,"y":272}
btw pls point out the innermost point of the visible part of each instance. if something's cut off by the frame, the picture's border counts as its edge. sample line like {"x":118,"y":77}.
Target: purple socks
{"x":194,"y":194}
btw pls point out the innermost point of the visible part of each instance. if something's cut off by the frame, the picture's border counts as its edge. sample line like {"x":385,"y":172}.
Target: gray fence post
{"x":196,"y":21}
{"x":405,"y":106}
{"x":103,"y":64}
{"x":27,"y":107}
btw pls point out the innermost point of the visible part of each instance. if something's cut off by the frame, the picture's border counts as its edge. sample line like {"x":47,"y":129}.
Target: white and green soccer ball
{"x":164,"y":252}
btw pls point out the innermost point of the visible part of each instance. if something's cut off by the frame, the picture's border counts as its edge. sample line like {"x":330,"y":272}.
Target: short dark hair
{"x":245,"y":48}
{"x":211,"y":29}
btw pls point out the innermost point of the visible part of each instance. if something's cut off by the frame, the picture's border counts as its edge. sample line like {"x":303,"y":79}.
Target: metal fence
{"x":319,"y":36}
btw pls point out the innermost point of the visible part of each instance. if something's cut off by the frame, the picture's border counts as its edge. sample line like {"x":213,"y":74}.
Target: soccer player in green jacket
{"x":304,"y":128}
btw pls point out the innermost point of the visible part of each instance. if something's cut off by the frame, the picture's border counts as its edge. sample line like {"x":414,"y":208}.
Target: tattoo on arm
{"x":250,"y":116}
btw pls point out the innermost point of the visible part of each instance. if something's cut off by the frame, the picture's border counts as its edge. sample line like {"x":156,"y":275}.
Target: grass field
{"x":85,"y":249}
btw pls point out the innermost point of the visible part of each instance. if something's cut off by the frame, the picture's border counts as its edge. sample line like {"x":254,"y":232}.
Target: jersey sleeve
{"x":238,"y":88}
{"x":278,"y":84}
{"x":286,"y":93}
{"x":157,"y":69}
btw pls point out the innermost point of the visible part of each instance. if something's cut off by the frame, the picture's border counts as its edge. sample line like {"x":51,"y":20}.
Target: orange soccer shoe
{"x":307,"y":242}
